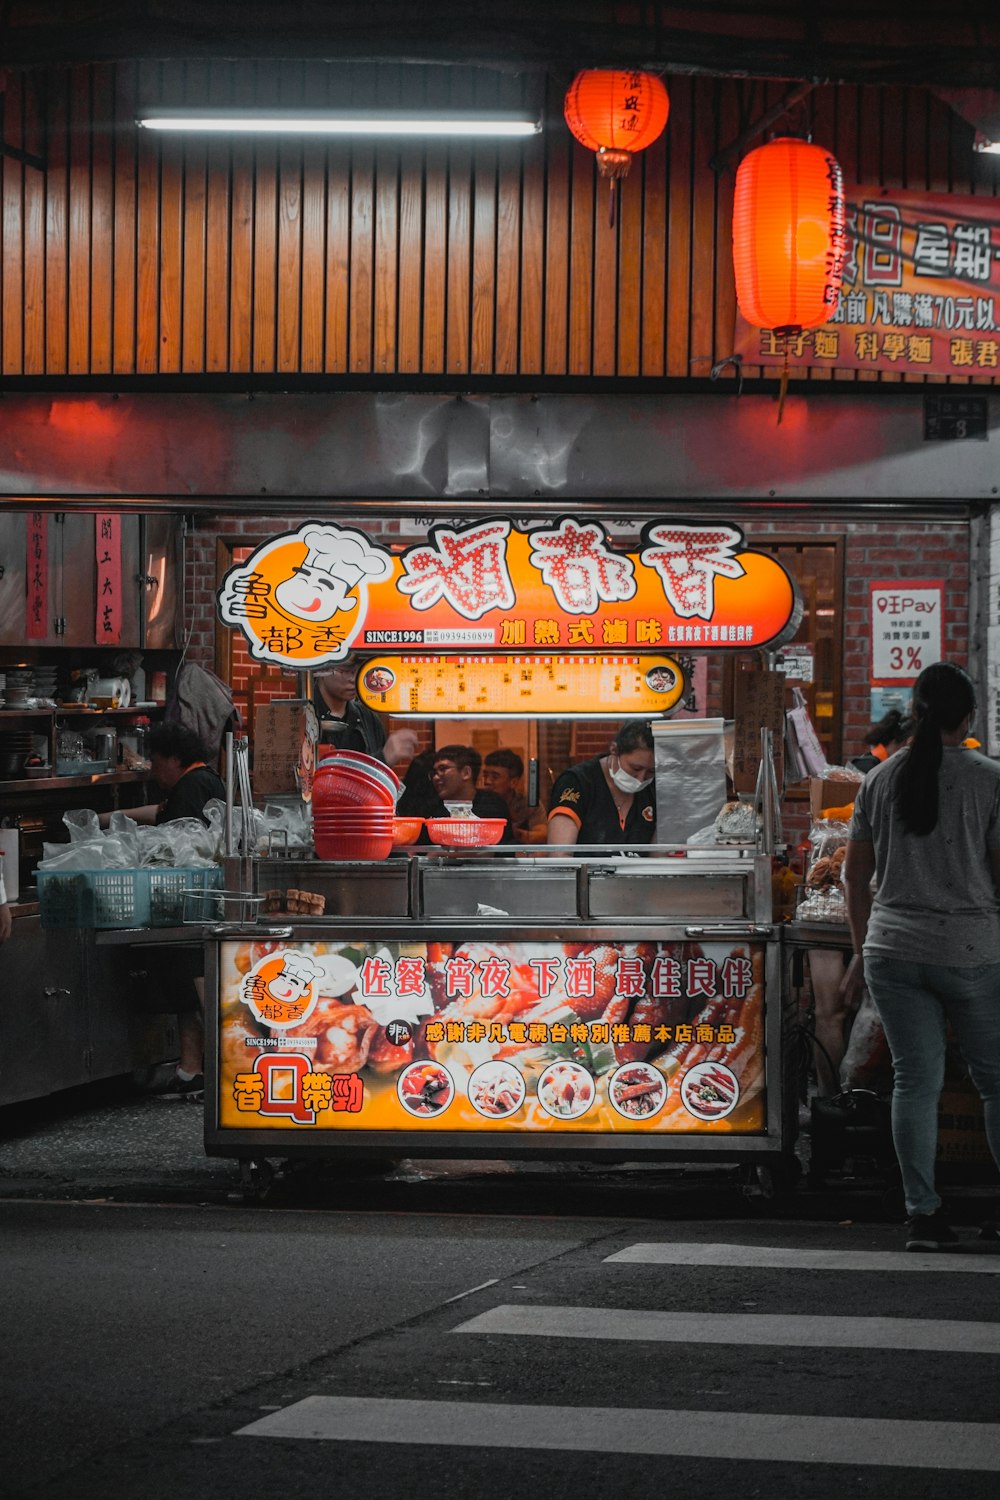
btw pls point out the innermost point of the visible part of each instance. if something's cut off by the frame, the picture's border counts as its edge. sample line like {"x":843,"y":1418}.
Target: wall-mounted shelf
{"x":57,"y":783}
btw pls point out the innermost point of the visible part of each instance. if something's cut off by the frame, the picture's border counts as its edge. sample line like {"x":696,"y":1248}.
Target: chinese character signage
{"x":516,"y":686}
{"x":921,"y":291}
{"x":906,"y":630}
{"x":108,"y":537}
{"x":37,"y":577}
{"x":595,"y":1038}
{"x":313,"y":595}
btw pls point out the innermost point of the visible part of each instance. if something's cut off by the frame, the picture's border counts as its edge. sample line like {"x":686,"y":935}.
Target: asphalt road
{"x":473,"y":1330}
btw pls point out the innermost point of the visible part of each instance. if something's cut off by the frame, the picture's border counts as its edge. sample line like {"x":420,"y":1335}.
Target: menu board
{"x":528,"y":1038}
{"x":522,"y":686}
{"x":759,"y":703}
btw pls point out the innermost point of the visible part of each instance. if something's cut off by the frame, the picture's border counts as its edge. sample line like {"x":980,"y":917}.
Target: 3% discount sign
{"x":906,"y":630}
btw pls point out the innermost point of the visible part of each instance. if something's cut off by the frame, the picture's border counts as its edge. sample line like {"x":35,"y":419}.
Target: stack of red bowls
{"x":354,"y":806}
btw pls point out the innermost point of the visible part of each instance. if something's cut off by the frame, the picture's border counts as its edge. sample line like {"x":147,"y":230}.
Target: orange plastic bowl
{"x":466,"y":833}
{"x":406,"y":831}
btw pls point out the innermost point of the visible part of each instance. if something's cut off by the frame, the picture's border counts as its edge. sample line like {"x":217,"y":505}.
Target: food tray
{"x":81,"y":767}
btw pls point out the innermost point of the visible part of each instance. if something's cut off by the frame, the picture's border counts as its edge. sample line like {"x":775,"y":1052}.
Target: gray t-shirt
{"x":935,"y":900}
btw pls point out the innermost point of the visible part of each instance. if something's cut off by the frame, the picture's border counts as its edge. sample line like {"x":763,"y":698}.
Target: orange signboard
{"x":921,"y":291}
{"x":515,"y":686}
{"x":643,"y":1037}
{"x":313,"y":595}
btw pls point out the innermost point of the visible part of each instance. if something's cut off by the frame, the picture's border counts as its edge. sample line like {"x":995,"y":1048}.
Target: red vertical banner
{"x":108,"y":536}
{"x":37,"y":577}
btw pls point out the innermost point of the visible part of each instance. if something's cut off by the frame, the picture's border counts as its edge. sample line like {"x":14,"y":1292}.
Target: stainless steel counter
{"x":550,"y":886}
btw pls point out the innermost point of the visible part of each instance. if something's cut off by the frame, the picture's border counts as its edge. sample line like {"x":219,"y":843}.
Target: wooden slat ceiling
{"x":140,"y":256}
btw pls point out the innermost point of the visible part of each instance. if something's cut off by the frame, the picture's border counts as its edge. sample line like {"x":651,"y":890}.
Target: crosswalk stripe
{"x":732,"y":1435}
{"x":779,"y":1257}
{"x":786,"y":1330}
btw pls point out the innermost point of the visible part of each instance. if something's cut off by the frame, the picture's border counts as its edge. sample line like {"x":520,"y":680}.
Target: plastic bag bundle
{"x":127,"y":845}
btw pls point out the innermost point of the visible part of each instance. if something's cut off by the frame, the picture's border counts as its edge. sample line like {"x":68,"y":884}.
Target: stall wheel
{"x":772,"y":1180}
{"x":256,"y":1179}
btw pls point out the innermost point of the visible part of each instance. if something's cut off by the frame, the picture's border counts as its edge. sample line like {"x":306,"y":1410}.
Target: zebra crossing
{"x":882,"y":1429}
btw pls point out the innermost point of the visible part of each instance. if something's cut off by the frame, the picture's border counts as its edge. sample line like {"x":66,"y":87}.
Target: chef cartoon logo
{"x":281,"y":989}
{"x":301,"y":598}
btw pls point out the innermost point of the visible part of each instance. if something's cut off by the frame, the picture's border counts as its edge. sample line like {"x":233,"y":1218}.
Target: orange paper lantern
{"x":616,"y":113}
{"x":788,"y":235}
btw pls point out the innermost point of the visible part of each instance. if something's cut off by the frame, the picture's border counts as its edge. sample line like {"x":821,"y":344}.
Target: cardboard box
{"x":824,"y":793}
{"x":279,"y":732}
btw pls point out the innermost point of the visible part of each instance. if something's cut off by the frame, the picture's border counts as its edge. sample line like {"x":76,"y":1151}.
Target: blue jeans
{"x":915,"y":1001}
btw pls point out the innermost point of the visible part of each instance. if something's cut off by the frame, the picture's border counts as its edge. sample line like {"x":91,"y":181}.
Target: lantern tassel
{"x":782,"y":390}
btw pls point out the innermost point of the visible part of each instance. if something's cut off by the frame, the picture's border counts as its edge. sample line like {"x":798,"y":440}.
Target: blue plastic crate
{"x":64,"y":898}
{"x":167,"y":888}
{"x":120,"y":898}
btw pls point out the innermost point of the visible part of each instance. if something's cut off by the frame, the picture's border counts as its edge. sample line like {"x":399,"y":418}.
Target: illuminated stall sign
{"x":921,"y":291}
{"x":516,"y":686}
{"x":534,"y":1038}
{"x":313,"y":595}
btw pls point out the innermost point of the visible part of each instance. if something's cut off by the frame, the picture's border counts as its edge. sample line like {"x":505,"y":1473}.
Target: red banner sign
{"x":108,"y":626}
{"x":309,"y":596}
{"x":37,"y":577}
{"x":921,"y":291}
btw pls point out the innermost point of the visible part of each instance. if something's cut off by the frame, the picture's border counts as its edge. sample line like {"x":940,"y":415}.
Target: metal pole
{"x":230,"y":849}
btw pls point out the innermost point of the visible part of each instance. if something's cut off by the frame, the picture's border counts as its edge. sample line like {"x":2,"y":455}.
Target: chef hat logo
{"x":301,"y":968}
{"x":345,"y":555}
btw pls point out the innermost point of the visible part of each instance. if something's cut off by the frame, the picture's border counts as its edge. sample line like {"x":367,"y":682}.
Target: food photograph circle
{"x":425,"y":1090}
{"x":660,"y":679}
{"x":710,"y":1091}
{"x":379,"y":679}
{"x":496,"y":1090}
{"x":637,"y":1091}
{"x":566,"y":1090}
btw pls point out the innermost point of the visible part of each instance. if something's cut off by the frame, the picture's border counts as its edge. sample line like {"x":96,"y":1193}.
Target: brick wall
{"x":873,"y":549}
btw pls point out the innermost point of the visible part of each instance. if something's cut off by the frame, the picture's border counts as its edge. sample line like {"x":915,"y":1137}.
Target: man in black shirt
{"x":345,"y":723}
{"x":177,"y":759}
{"x":456,"y":771}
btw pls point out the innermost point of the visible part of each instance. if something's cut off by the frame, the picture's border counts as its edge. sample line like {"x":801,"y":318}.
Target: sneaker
{"x":930,"y":1232}
{"x":182,"y":1088}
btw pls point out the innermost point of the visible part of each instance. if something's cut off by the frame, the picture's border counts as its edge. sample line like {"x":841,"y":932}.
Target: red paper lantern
{"x":616,"y":113}
{"x":788,"y":235}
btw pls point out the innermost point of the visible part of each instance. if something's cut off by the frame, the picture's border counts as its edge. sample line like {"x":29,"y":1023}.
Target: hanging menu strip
{"x":108,"y":625}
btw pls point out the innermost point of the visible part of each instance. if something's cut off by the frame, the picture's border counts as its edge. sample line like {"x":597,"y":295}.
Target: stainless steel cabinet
{"x":44,"y":1027}
{"x":68,"y":1014}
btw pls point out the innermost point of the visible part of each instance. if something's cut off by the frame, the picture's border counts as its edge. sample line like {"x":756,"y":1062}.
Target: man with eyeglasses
{"x":345,"y":723}
{"x":456,"y":771}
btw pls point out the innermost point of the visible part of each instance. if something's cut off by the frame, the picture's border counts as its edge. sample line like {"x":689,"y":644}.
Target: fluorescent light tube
{"x":388,"y":124}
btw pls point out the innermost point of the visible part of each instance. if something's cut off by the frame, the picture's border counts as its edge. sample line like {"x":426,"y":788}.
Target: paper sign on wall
{"x":37,"y":577}
{"x":108,"y":537}
{"x":906,"y":629}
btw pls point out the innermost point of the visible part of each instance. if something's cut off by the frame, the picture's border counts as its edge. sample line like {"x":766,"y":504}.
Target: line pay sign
{"x":906,"y":629}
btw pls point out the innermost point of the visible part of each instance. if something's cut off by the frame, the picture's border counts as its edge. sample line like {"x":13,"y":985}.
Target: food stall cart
{"x":543,"y":1002}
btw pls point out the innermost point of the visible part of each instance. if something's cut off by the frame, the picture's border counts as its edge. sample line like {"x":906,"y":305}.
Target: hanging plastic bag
{"x":807,"y":748}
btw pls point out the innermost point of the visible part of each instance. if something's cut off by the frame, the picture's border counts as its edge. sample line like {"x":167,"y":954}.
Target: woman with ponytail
{"x":927,"y":826}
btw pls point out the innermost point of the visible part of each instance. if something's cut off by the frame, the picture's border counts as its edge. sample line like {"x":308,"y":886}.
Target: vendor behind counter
{"x":610,"y":800}
{"x":345,"y":723}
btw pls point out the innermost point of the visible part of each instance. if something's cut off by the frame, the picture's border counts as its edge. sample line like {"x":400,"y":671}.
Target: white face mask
{"x":626,"y":783}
